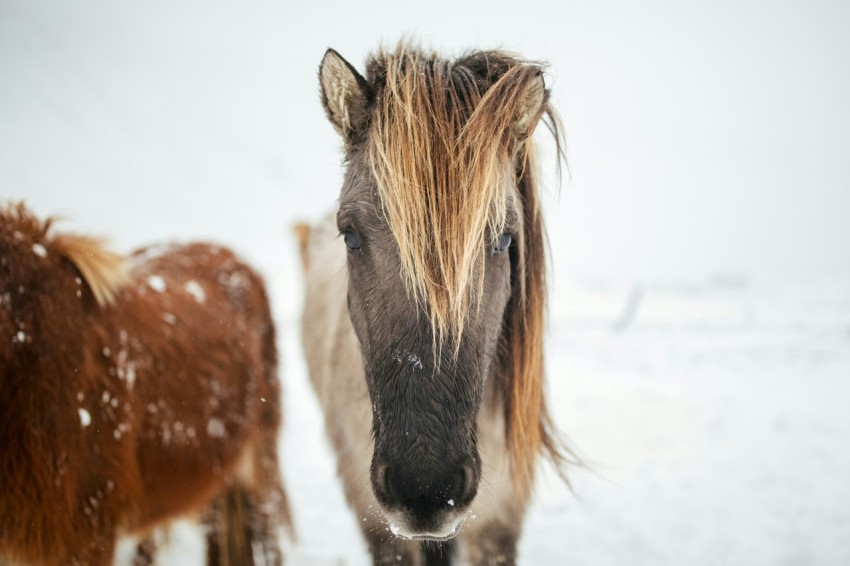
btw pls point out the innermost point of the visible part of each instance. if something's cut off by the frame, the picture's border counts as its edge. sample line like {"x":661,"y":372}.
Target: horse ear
{"x":344,"y":96}
{"x":531,"y":107}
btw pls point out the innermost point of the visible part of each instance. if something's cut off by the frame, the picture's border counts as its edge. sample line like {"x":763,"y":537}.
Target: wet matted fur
{"x":425,"y":344}
{"x":132,"y":391}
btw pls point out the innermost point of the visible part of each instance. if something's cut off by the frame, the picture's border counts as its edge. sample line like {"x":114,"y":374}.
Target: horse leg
{"x":145,"y":552}
{"x":236,"y":523}
{"x":212,"y":526}
{"x":494,"y":545}
{"x":263,"y":531}
{"x":269,"y":504}
{"x":228,"y":530}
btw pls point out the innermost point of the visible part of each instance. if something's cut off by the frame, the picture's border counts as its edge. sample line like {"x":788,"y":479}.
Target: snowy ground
{"x":713,"y":411}
{"x":714,"y":421}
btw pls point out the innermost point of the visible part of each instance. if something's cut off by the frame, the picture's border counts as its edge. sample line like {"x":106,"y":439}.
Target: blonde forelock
{"x":441,"y":149}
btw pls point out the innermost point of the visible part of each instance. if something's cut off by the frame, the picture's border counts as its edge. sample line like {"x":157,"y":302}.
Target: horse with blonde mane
{"x":423,"y":322}
{"x":133,"y":391}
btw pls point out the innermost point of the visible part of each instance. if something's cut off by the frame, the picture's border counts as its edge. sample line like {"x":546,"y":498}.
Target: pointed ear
{"x":531,"y":107}
{"x":345,"y":96}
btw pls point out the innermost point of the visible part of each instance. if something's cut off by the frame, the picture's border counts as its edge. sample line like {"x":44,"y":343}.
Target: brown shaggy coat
{"x":131,"y":392}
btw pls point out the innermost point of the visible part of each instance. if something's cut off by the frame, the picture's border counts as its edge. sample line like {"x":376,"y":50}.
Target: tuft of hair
{"x":530,"y":427}
{"x":302,"y":234}
{"x":442,"y":151}
{"x":103,"y":271}
{"x":449,"y":150}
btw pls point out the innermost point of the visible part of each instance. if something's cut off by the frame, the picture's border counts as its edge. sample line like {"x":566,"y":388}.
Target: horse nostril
{"x":424,"y":490}
{"x":469,"y":485}
{"x":383,"y":483}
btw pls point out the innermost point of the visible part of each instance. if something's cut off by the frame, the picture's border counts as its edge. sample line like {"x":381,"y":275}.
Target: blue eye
{"x":505,"y":241}
{"x":351,"y":240}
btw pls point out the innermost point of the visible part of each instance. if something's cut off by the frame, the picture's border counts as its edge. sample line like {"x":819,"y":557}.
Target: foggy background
{"x":702,"y":137}
{"x":700,"y":335}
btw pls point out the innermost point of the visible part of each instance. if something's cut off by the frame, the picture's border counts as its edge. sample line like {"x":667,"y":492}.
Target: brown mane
{"x":446,"y":148}
{"x":103,"y":271}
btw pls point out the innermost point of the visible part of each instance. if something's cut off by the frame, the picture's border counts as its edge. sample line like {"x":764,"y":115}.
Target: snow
{"x":130,"y":375}
{"x":39,"y":250}
{"x":711,"y":411}
{"x":215,"y":428}
{"x":85,"y":417}
{"x":194,"y":288}
{"x":414,"y":361}
{"x":156,"y":283}
{"x":713,"y":426}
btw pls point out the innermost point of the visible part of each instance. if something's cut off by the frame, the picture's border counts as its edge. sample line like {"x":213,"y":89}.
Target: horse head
{"x":439,"y":214}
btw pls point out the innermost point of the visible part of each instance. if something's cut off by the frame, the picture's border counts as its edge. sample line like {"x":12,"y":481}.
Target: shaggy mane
{"x":448,"y":150}
{"x":442,"y":152}
{"x":102,"y":270}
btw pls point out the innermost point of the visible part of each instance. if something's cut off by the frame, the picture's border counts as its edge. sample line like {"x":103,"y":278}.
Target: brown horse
{"x":132,"y":391}
{"x":423,"y":323}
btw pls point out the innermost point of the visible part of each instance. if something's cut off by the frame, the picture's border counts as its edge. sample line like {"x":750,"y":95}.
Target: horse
{"x":423,"y":326}
{"x":133,"y":390}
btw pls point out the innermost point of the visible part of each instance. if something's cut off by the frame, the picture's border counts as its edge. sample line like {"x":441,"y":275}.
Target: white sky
{"x":703,"y":137}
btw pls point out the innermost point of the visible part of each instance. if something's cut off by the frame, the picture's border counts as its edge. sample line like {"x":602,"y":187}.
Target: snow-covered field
{"x":712,"y":411}
{"x":714,"y":422}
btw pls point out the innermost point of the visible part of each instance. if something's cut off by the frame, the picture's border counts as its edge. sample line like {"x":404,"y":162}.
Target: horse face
{"x":433,"y":167}
{"x":425,"y":395}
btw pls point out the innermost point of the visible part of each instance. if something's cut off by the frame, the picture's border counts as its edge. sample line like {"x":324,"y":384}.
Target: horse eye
{"x":505,"y":241}
{"x":351,"y":240}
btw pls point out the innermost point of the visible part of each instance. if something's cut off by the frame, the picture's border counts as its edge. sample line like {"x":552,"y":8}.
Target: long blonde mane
{"x":448,"y":151}
{"x":441,"y":152}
